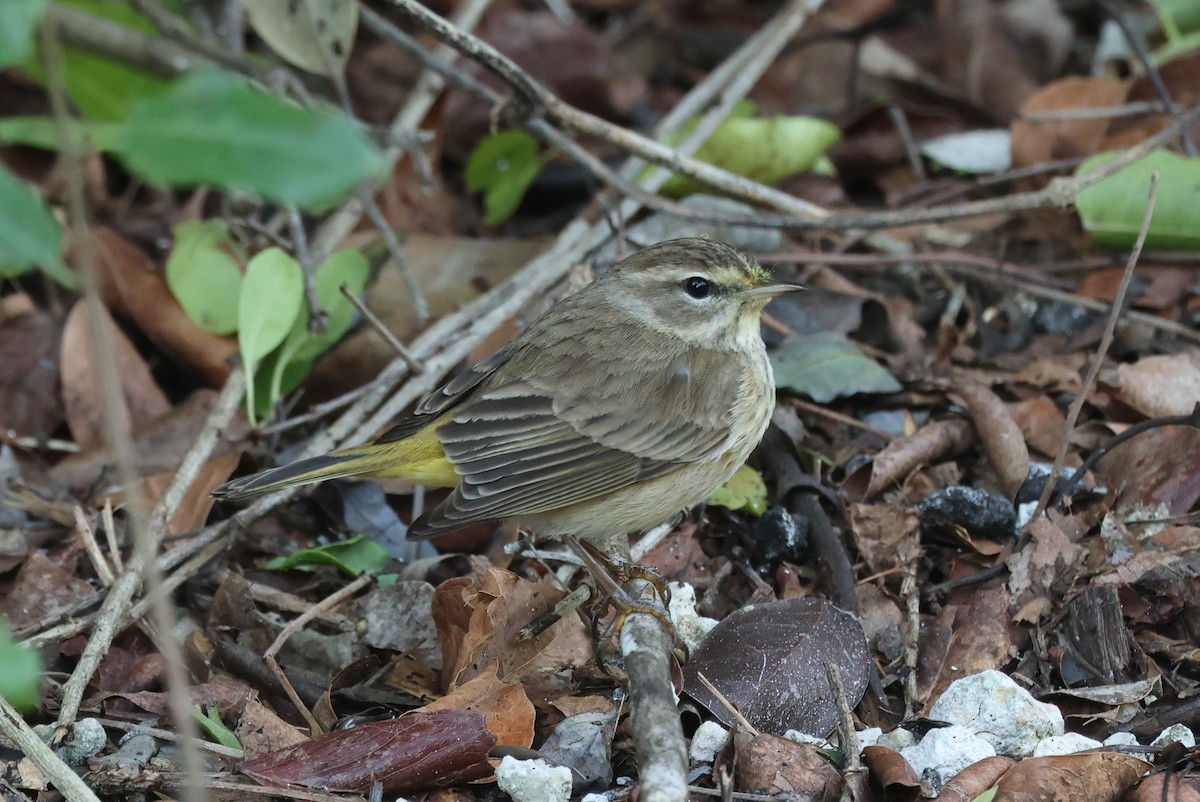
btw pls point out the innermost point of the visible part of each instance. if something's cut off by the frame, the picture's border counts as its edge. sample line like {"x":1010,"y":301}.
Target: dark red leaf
{"x":420,"y":750}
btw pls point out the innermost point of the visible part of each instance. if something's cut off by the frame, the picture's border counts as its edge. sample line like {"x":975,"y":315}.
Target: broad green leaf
{"x":101,"y":88}
{"x":745,"y":490}
{"x":1178,"y":16}
{"x":354,"y":556}
{"x":315,"y":35}
{"x":18,"y":28}
{"x":271,"y":299}
{"x":349,"y":268}
{"x":1112,"y":210}
{"x":29,"y":234}
{"x":302,"y":347}
{"x":825,"y":365}
{"x":214,"y":128}
{"x":204,"y":278}
{"x":20,"y":672}
{"x":765,"y":149}
{"x":42,"y":132}
{"x":214,"y":728}
{"x":502,"y":167}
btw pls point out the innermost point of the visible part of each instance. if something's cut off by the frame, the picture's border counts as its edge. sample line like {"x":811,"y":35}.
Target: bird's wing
{"x":447,"y":396}
{"x":541,"y":433}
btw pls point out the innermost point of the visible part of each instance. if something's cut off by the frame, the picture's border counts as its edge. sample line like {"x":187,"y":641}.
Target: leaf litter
{"x":922,"y":402}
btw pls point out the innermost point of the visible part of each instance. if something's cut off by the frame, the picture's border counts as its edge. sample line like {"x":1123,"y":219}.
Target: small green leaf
{"x":293,"y":361}
{"x":42,"y":132}
{"x":1179,"y":17}
{"x":502,"y":167}
{"x":20,"y":672}
{"x":766,"y":149}
{"x":29,"y":234}
{"x":1112,"y":210}
{"x":745,"y":490}
{"x":355,"y":556}
{"x":825,"y":365}
{"x":348,"y":268}
{"x":214,"y":128}
{"x":271,"y":299}
{"x":210,"y":722}
{"x":204,"y":278}
{"x":18,"y":24}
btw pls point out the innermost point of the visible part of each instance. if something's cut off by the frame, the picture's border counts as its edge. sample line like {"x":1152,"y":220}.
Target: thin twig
{"x":415,"y":294}
{"x":317,"y":317}
{"x":1110,"y":328}
{"x":542,"y":100}
{"x":383,"y":331}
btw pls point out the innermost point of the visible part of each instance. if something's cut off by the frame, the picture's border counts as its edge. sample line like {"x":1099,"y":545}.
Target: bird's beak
{"x":772,"y":290}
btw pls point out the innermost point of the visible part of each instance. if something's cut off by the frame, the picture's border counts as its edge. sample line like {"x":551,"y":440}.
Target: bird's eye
{"x":697,"y":287}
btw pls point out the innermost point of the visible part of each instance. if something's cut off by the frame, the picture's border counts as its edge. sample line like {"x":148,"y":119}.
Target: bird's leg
{"x":612,"y":578}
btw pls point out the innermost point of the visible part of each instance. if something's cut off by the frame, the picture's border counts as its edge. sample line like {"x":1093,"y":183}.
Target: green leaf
{"x":293,"y":361}
{"x":1178,"y":16}
{"x":825,"y":365}
{"x":271,"y":299}
{"x":214,"y":128}
{"x":101,"y":88}
{"x":502,"y":167}
{"x":210,"y":722}
{"x":355,"y":556}
{"x":20,"y":672}
{"x":1112,"y":210}
{"x":42,"y":132}
{"x":766,"y":149}
{"x":29,"y":234}
{"x":18,"y":25}
{"x":745,"y":490}
{"x":204,"y":278}
{"x":349,"y":268}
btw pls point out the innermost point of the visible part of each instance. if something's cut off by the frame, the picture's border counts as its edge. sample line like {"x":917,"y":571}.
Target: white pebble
{"x":999,"y":710}
{"x":533,"y":780}
{"x":710,"y":738}
{"x":1176,"y":732}
{"x":947,"y":750}
{"x":1066,"y":744}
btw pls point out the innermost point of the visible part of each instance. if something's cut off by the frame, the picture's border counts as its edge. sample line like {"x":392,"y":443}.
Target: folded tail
{"x":419,"y":459}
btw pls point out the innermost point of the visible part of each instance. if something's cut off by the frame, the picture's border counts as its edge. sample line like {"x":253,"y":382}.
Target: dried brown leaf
{"x":1038,"y":141}
{"x":1084,"y":777}
{"x":1158,"y":386}
{"x":30,"y":403}
{"x":902,"y":456}
{"x":892,"y":772}
{"x":975,"y":779}
{"x":505,"y":707}
{"x":981,"y":639}
{"x":141,"y":292}
{"x":83,"y":393}
{"x":780,"y":766}
{"x":44,"y":588}
{"x":998,"y":433}
{"x":478,"y":618}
